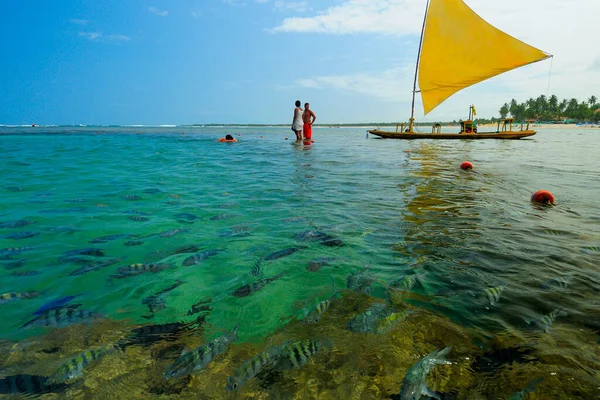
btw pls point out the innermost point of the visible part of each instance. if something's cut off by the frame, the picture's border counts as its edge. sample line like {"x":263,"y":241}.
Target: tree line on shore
{"x":552,"y":109}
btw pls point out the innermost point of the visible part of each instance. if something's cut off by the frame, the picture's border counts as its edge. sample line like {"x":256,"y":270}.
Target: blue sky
{"x":247,"y":61}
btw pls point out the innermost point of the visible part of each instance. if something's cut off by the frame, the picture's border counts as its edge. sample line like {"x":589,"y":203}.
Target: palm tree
{"x":562,"y":107}
{"x":504,"y":110}
{"x":592,"y":101}
{"x":553,"y":106}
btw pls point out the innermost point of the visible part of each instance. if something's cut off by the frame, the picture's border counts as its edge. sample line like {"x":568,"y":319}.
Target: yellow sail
{"x":460,"y":49}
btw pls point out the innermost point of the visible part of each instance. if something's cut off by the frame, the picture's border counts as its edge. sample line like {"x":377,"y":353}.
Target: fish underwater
{"x":190,"y":248}
{"x":201,"y":357}
{"x":16,"y":224}
{"x":414,"y":383}
{"x":55,"y":304}
{"x":187,"y":216}
{"x":252,"y":367}
{"x":19,"y":235}
{"x":545,"y":321}
{"x":493,"y":294}
{"x":138,"y":218}
{"x":75,"y":367}
{"x":379,"y":318}
{"x":131,"y":197}
{"x":559,"y":282}
{"x":10,"y":297}
{"x":147,"y":335}
{"x":200,"y":307}
{"x":360,"y":282}
{"x":131,"y":243}
{"x":316,"y":265}
{"x":30,"y":384}
{"x":137,"y":269}
{"x":530,"y":388}
{"x":94,"y":266}
{"x":254,"y":287}
{"x":201,"y":256}
{"x":405,"y":282}
{"x":282,"y":253}
{"x":61,"y":317}
{"x":94,"y":252}
{"x":156,"y":302}
{"x":13,"y":251}
{"x":108,"y":238}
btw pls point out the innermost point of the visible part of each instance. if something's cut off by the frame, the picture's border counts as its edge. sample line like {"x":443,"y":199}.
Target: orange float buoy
{"x":543,"y":196}
{"x":466,"y":165}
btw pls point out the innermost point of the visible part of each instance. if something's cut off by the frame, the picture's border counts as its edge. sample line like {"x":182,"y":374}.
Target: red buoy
{"x":466,"y":165}
{"x":543,"y":196}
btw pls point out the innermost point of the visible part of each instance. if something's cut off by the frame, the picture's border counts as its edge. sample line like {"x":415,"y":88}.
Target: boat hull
{"x":444,"y":136}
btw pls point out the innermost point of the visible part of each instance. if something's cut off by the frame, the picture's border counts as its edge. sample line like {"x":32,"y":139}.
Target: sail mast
{"x":412,"y":112}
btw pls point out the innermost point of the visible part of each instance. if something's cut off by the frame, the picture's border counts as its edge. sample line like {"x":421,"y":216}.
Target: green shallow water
{"x":400,"y":208}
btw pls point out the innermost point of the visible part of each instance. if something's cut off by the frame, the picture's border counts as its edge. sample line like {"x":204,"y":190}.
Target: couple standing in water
{"x":303,"y":121}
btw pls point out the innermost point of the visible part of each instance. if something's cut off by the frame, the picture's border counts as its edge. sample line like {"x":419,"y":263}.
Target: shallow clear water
{"x":398,"y":207}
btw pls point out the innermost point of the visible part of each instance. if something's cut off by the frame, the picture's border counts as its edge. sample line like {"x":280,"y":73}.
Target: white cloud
{"x":390,"y":85}
{"x":296,"y":6}
{"x":398,"y":17}
{"x":574,"y":68}
{"x":160,"y":13}
{"x":91,"y":35}
{"x":99,"y":36}
{"x":79,"y":21}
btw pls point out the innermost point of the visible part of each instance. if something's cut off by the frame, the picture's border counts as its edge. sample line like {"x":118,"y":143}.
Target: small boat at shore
{"x":459,"y":49}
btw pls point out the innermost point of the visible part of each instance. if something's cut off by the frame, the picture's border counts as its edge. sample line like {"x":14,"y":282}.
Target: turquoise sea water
{"x":386,"y":209}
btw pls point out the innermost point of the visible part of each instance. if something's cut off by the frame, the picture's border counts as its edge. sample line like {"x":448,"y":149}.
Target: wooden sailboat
{"x":459,"y":49}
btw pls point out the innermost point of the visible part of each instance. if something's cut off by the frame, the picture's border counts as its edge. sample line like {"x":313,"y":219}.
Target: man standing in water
{"x":297,"y":121}
{"x":306,"y":117}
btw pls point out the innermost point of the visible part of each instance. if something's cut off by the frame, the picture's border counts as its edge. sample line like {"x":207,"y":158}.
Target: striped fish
{"x":530,"y":388}
{"x":200,"y":357}
{"x":298,"y":354}
{"x":254,"y":287}
{"x":137,"y":269}
{"x":31,"y":384}
{"x":405,"y":282}
{"x":360,"y":282}
{"x":13,"y":251}
{"x":368,"y":320}
{"x":13,"y":264}
{"x":252,"y":367}
{"x":282,"y":253}
{"x":131,"y":197}
{"x":131,"y":243}
{"x":62,"y":317}
{"x":20,"y":235}
{"x":388,"y":323}
{"x":9,"y":297}
{"x":149,"y":334}
{"x":559,"y":282}
{"x":546,"y":321}
{"x":138,"y":218}
{"x":75,"y":367}
{"x":94,"y":266}
{"x":16,"y":224}
{"x":83,"y":252}
{"x":493,"y":294}
{"x":108,"y":238}
{"x":317,"y":312}
{"x":201,"y":256}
